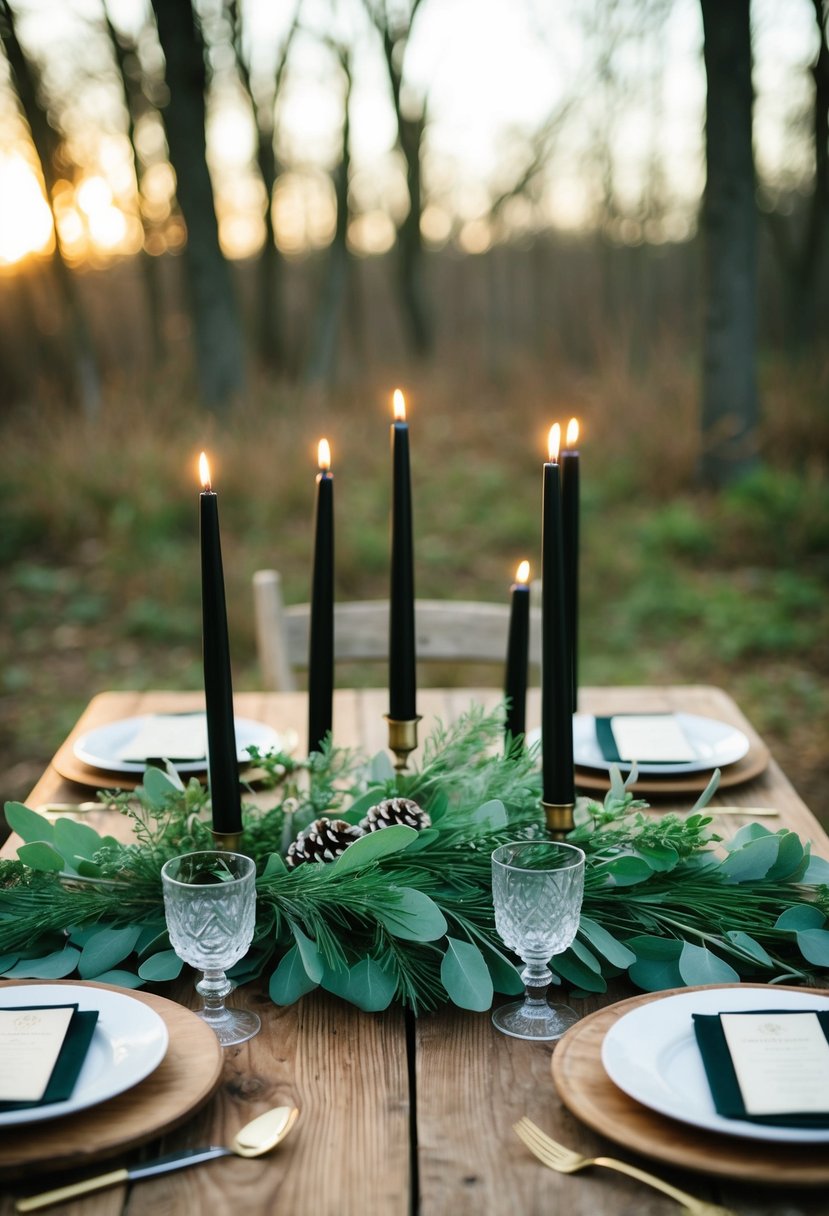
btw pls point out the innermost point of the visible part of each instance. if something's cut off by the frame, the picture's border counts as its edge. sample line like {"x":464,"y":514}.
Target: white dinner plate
{"x":651,"y":1053}
{"x":715,"y":744}
{"x":129,"y":1042}
{"x":102,"y":747}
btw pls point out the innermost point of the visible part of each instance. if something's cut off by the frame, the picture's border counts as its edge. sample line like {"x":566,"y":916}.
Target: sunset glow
{"x":25,"y":218}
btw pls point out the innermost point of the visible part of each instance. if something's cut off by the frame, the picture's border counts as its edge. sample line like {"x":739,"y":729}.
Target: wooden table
{"x":399,"y":1115}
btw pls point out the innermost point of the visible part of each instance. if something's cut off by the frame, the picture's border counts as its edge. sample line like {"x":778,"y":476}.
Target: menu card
{"x":648,"y":738}
{"x":768,"y":1066}
{"x":42,"y":1050}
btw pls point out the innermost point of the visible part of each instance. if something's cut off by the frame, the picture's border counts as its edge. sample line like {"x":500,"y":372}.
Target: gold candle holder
{"x":559,"y":817}
{"x":229,"y":842}
{"x":402,"y":739}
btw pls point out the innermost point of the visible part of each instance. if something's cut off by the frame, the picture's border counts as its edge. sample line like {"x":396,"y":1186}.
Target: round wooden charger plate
{"x":751,"y":766}
{"x":184,"y":1080}
{"x":68,"y":766}
{"x":585,"y":1088}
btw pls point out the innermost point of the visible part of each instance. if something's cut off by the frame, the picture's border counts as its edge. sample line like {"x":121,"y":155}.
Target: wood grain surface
{"x":397,"y":1119}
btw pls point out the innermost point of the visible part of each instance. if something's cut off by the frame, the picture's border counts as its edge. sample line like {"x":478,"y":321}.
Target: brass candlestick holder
{"x":402,"y":739}
{"x":228,"y":842}
{"x":559,"y":817}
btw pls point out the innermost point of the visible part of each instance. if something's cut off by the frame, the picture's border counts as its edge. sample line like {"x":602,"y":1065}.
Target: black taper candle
{"x":223,"y":766}
{"x":558,"y":782}
{"x":518,"y":649}
{"x":402,"y":678}
{"x":321,"y":639}
{"x":570,"y":536}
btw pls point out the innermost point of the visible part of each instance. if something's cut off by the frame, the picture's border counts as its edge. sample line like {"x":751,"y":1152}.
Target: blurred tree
{"x":323,"y":352}
{"x":801,"y":243}
{"x":264,"y":94}
{"x":394,"y":24}
{"x":217,"y":322}
{"x":137,"y":104}
{"x":81,"y":360}
{"x":730,"y":401}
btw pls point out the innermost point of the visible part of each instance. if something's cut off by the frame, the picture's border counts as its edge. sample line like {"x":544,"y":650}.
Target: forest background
{"x":240,"y":225}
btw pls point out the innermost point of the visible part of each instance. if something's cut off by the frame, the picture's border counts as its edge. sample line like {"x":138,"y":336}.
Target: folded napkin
{"x":722,"y":1076}
{"x":70,"y":1059}
{"x":648,"y":738}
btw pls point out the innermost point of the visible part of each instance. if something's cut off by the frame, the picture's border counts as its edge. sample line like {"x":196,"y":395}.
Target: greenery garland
{"x":407,"y":915}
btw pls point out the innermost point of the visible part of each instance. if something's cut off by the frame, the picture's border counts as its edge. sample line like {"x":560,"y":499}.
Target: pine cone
{"x":395,"y":810}
{"x":323,"y":840}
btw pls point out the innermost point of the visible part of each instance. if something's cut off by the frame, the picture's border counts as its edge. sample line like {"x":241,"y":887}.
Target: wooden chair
{"x":448,"y":631}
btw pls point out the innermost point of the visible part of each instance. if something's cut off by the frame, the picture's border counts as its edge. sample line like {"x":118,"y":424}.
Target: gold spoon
{"x":253,"y":1140}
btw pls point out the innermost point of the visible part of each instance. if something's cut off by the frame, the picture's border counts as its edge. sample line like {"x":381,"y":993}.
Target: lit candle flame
{"x":522,"y":574}
{"x":204,"y":472}
{"x":324,"y":455}
{"x":399,"y":406}
{"x":554,"y":442}
{"x":572,"y":433}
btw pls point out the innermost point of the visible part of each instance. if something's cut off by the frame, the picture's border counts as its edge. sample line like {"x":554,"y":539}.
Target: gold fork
{"x":565,"y":1161}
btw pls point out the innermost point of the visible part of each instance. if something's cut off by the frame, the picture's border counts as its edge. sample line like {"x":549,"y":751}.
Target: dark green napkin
{"x":70,"y":1058}
{"x":607,"y":743}
{"x":722,"y":1079}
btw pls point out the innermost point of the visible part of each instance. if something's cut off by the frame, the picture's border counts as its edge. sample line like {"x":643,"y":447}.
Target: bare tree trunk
{"x":85,"y":375}
{"x":216,"y":319}
{"x":395,"y":32}
{"x":136,"y":104}
{"x":730,"y":402}
{"x":323,"y":355}
{"x":272,"y":312}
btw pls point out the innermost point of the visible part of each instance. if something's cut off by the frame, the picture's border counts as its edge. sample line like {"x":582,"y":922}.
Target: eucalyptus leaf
{"x":337,"y":980}
{"x":274,"y":866}
{"x":625,"y":871}
{"x":86,"y":868}
{"x":7,"y":961}
{"x":660,"y":857}
{"x":752,"y":861}
{"x":71,"y":837}
{"x":816,"y":872}
{"x":800,"y":916}
{"x":370,"y":987}
{"x":747,"y":944}
{"x":290,"y":980}
{"x":657,"y":962}
{"x":308,"y":953}
{"x":506,"y":977}
{"x":106,"y":948}
{"x":574,"y":972}
{"x":27,"y":823}
{"x":699,"y":965}
{"x":708,"y":793}
{"x":605,"y":943}
{"x":490,"y":817}
{"x":123,"y":979}
{"x":789,"y":858}
{"x":381,"y":768}
{"x":42,"y":856}
{"x":425,"y":837}
{"x":410,"y":914}
{"x":585,"y":956}
{"x":367,"y":849}
{"x":160,"y":787}
{"x":745,"y":834}
{"x":165,"y":965}
{"x":152,"y":936}
{"x":465,"y":976}
{"x":53,"y":967}
{"x":813,"y":944}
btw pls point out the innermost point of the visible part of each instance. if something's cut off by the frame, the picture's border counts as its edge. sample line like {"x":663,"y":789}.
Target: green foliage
{"x":408,"y":916}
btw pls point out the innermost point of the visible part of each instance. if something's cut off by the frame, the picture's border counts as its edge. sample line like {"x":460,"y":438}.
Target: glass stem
{"x":213,"y":987}
{"x":537,"y":978}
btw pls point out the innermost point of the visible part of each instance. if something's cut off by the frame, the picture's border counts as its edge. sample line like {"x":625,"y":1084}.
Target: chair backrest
{"x":448,"y":631}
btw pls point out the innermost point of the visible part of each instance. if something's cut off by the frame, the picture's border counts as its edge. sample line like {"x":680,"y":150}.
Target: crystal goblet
{"x":210,"y":907}
{"x":537,"y":890}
